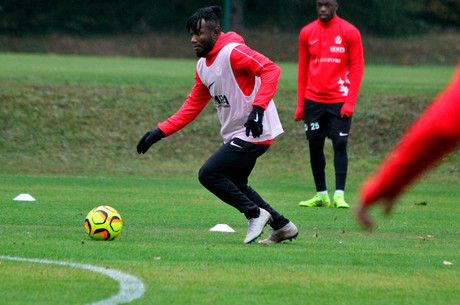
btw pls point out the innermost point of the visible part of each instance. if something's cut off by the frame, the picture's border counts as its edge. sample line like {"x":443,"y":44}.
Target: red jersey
{"x":246,"y":64}
{"x":331,"y":64}
{"x":433,"y":135}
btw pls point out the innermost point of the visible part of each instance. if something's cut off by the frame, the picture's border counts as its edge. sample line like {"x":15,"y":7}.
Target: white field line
{"x":131,"y":287}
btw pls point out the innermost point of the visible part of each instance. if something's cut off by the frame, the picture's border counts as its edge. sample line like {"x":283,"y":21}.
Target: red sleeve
{"x":192,"y":106}
{"x":245,"y":64}
{"x":355,"y":76}
{"x":434,"y":134}
{"x":302,"y":77}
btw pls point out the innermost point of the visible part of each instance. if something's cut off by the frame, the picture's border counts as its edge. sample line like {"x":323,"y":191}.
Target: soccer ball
{"x":103,"y":223}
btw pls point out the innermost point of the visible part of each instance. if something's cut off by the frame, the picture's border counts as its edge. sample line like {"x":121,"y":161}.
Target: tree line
{"x":93,"y":17}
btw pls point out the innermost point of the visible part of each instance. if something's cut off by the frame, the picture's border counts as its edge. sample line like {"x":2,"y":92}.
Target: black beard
{"x":201,"y":54}
{"x":206,"y":50}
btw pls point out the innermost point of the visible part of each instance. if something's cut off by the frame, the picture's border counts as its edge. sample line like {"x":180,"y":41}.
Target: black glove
{"x":254,"y":123}
{"x":149,"y":139}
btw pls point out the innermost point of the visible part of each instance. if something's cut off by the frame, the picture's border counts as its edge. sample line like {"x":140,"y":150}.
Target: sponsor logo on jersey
{"x":220,"y":101}
{"x":335,"y":49}
{"x":328,"y":60}
{"x":338,"y":40}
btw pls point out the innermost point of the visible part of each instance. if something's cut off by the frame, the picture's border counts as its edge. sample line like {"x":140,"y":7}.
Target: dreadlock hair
{"x":210,"y":14}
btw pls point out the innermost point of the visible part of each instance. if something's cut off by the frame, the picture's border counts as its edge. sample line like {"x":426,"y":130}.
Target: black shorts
{"x":323,"y":120}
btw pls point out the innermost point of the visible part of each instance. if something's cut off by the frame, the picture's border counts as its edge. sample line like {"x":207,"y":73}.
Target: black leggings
{"x":318,"y":162}
{"x":226,"y":172}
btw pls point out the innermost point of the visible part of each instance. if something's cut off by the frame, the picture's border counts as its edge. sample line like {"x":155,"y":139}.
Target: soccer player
{"x":433,"y":135}
{"x":330,"y":70}
{"x":241,"y":83}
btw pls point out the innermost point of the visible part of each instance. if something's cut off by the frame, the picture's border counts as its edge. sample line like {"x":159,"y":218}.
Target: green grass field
{"x":69,"y":129}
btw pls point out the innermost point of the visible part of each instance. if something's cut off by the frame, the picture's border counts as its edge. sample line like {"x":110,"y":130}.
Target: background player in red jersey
{"x":434,"y":134}
{"x":241,"y":83}
{"x":331,"y":67}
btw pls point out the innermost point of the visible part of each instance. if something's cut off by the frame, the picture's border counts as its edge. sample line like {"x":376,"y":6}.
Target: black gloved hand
{"x":149,"y":139}
{"x":254,"y":122}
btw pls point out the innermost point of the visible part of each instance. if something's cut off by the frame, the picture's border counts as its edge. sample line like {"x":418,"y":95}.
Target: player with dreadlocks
{"x":241,"y":83}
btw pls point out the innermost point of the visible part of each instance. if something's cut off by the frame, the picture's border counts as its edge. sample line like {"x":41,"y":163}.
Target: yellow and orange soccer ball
{"x":103,"y":223}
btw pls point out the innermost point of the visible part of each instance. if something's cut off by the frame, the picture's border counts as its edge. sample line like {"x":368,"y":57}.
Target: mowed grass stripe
{"x":119,"y":71}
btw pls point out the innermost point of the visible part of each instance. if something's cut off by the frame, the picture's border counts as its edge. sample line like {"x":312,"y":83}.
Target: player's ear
{"x":215,"y":33}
